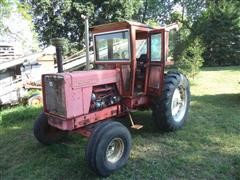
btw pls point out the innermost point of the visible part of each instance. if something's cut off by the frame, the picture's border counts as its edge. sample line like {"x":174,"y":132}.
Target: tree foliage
{"x":154,"y":10}
{"x":54,"y":18}
{"x":219,"y":28}
{"x":212,"y":39}
{"x":190,"y":60}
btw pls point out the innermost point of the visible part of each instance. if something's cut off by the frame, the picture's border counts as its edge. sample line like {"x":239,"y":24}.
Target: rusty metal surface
{"x":93,"y":78}
{"x":126,"y":75}
{"x":54,"y":94}
{"x":83,"y":120}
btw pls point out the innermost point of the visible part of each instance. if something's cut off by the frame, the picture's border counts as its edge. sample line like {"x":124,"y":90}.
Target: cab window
{"x":156,"y":49}
{"x":112,"y":46}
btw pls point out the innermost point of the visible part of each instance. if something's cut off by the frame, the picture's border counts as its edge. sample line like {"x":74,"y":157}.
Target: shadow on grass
{"x":219,"y":99}
{"x":222,"y":102}
{"x":224,"y":68}
{"x":220,"y":112}
{"x":185,"y":162}
{"x":141,"y":117}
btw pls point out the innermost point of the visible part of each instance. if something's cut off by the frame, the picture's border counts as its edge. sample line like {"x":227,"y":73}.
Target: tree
{"x":53,"y":18}
{"x":115,"y":10}
{"x":154,"y":10}
{"x":190,"y":10}
{"x":219,"y":28}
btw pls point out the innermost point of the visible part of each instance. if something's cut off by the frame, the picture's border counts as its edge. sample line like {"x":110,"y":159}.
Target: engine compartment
{"x":104,"y":96}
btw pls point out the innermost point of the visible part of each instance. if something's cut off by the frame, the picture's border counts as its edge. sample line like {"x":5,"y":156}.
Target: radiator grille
{"x":54,"y":94}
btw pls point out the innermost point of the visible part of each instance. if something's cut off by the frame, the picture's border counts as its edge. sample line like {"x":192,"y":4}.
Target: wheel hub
{"x":115,"y":150}
{"x":179,"y":104}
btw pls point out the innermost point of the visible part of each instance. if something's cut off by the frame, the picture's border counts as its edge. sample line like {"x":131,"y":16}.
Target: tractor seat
{"x":141,"y":61}
{"x":142,"y":58}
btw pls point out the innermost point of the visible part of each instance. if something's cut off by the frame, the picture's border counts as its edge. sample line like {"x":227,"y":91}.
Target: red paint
{"x":84,"y":120}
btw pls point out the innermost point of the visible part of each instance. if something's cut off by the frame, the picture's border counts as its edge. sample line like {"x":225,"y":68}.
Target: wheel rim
{"x":179,"y":104}
{"x":115,"y":150}
{"x":35,"y":102}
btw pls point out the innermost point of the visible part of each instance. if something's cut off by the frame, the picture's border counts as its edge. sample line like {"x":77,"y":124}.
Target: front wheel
{"x":170,"y":111}
{"x":108,"y":148}
{"x":45,"y":133}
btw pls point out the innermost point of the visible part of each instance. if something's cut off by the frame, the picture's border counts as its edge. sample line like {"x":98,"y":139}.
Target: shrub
{"x":188,"y":53}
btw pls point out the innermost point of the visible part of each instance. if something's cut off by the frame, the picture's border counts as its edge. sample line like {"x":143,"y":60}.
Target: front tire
{"x":170,"y":111}
{"x":45,"y":133}
{"x":108,"y":148}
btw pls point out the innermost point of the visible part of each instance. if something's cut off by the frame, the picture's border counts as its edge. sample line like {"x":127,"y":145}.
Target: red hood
{"x":93,"y":77}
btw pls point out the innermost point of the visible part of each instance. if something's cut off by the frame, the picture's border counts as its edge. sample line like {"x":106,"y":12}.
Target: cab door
{"x":156,"y":63}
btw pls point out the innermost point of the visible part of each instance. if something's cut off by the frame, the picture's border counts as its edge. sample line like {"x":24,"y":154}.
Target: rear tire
{"x":108,"y":148}
{"x":45,"y":133}
{"x":170,"y":111}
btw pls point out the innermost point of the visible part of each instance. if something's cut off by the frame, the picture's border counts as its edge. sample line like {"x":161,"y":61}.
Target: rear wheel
{"x":108,"y":148}
{"x":45,"y":133}
{"x":170,"y":111}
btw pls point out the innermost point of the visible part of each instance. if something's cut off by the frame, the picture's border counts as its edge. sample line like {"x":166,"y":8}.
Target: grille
{"x":54,"y":94}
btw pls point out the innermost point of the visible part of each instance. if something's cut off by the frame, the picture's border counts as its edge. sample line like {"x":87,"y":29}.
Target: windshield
{"x":112,"y":46}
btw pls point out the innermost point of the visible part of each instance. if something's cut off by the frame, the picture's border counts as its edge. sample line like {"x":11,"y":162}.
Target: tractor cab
{"x":138,"y":51}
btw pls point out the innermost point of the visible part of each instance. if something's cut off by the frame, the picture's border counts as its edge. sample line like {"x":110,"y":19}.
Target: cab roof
{"x":118,"y":26}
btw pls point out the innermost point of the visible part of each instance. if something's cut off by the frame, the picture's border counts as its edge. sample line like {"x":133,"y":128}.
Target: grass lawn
{"x":208,"y":147}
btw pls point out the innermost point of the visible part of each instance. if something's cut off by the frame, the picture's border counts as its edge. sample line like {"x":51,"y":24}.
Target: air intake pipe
{"x":58,"y":43}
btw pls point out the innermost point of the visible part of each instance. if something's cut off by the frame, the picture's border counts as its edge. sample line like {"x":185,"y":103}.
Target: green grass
{"x":208,"y":147}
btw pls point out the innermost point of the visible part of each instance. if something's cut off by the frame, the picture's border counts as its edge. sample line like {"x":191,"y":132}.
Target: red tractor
{"x":130,"y":59}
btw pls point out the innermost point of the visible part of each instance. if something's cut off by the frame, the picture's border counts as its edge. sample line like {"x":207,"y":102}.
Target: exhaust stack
{"x":58,"y":43}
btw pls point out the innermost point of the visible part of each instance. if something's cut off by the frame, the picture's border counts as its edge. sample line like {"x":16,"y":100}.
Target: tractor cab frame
{"x":139,"y":52}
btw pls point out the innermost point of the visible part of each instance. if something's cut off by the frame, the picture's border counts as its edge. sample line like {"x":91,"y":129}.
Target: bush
{"x":188,"y":53}
{"x":191,"y":59}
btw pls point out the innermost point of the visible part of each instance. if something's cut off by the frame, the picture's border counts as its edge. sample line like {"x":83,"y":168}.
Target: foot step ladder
{"x":134,"y":126}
